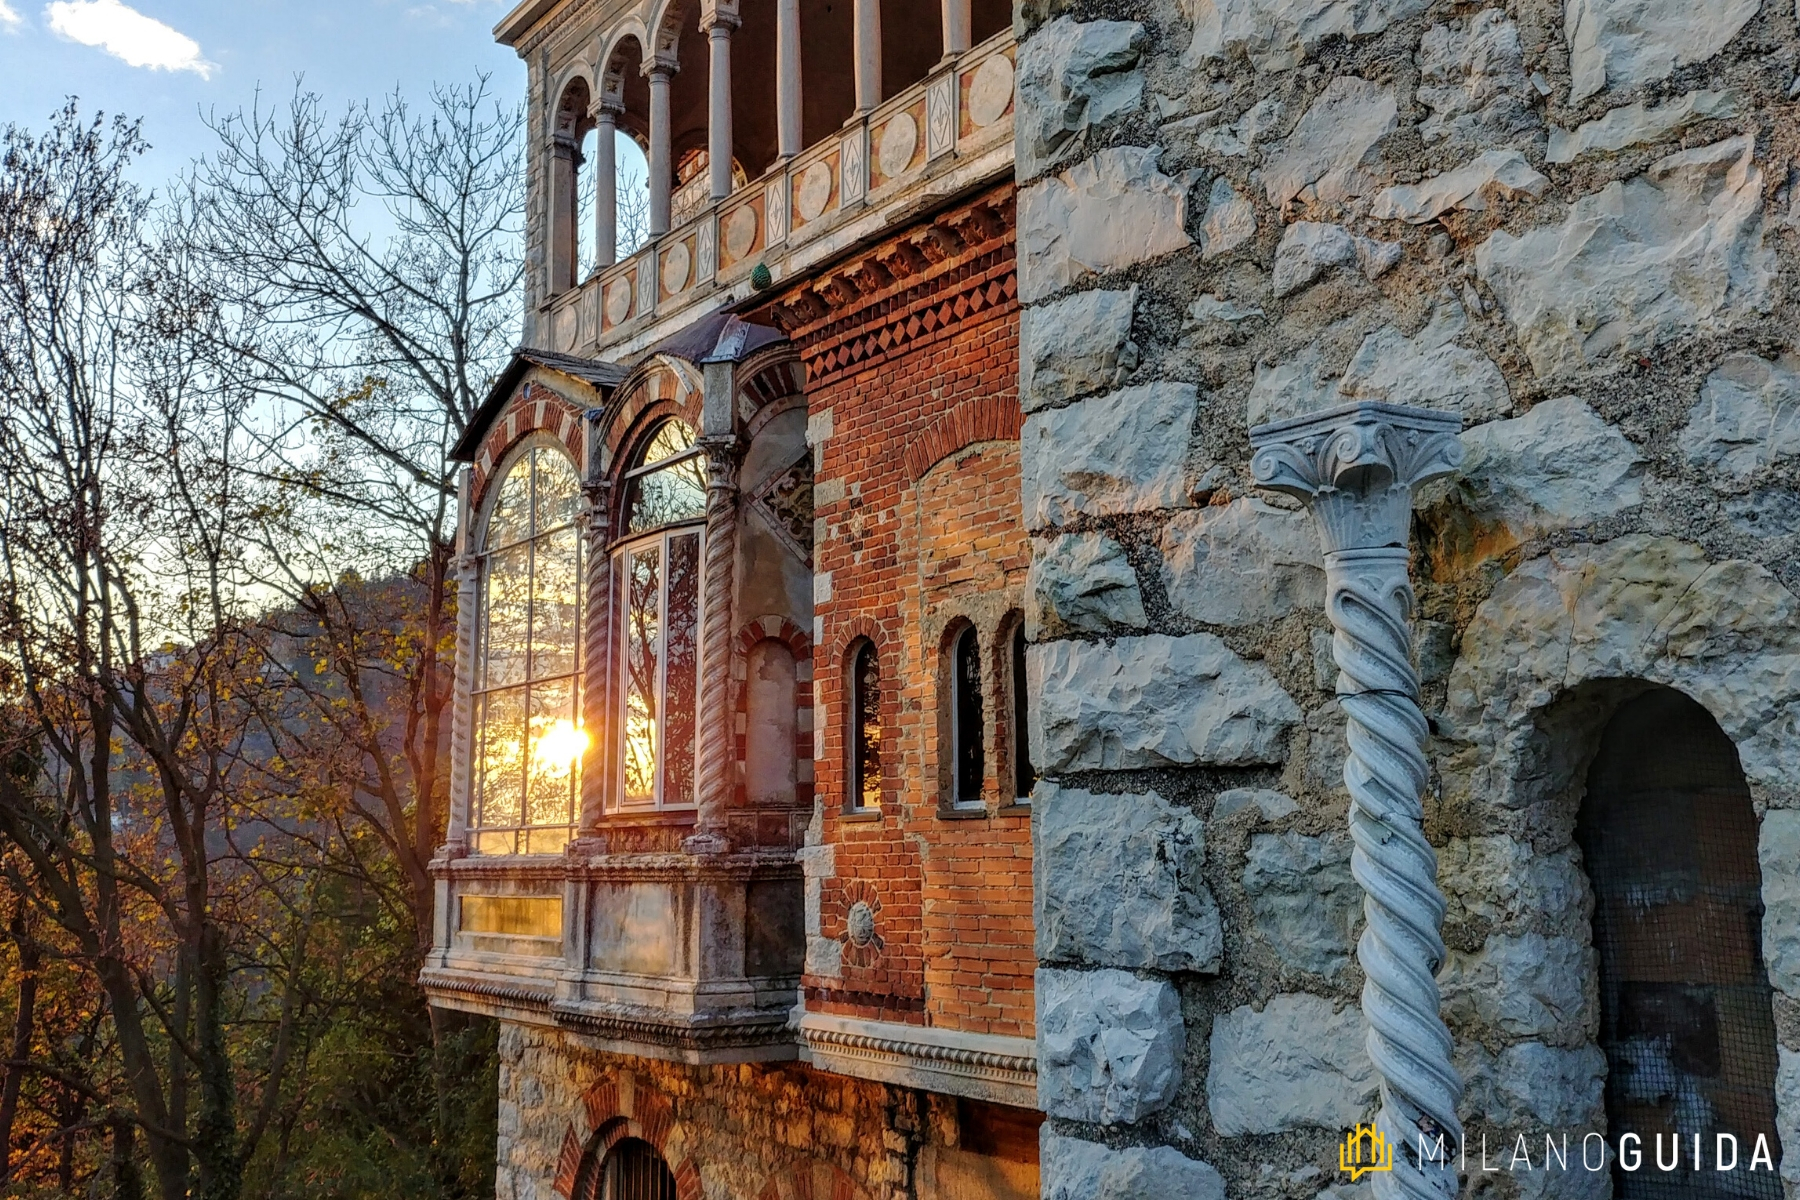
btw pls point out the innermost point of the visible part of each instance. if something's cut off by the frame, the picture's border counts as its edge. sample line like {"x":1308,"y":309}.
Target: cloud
{"x":127,"y":34}
{"x":9,"y":20}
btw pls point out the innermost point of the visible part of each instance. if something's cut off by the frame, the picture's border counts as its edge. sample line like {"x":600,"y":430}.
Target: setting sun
{"x":559,"y":747}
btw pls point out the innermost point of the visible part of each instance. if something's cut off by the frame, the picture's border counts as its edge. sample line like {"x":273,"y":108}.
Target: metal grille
{"x":1669,"y":838}
{"x":633,"y":1170}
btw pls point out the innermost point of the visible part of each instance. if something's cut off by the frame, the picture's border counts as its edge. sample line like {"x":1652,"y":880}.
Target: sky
{"x":171,"y":61}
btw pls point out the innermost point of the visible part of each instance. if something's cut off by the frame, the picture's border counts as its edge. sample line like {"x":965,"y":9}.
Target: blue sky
{"x":169,"y":60}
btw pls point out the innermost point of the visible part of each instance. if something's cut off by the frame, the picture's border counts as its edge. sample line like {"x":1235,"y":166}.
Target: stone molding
{"x":980,"y":1066}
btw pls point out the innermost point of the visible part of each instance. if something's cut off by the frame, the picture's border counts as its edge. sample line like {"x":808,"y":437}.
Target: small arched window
{"x":969,"y":764}
{"x":527,"y":687}
{"x":632,"y":1170}
{"x":864,"y":741}
{"x":1024,"y":773}
{"x":656,"y":572}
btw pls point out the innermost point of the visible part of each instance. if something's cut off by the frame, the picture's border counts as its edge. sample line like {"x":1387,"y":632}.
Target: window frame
{"x":857,"y":789}
{"x":524,"y":456}
{"x":964,"y":639}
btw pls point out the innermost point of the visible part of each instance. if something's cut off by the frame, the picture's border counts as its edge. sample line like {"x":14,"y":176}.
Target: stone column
{"x":596,"y":655}
{"x":868,"y":55}
{"x":565,"y":159}
{"x":956,"y":26}
{"x":662,"y":170}
{"x":606,"y":185}
{"x":718,"y":736}
{"x":718,"y":20}
{"x":788,"y":91}
{"x":1355,"y":467}
{"x":466,"y":569}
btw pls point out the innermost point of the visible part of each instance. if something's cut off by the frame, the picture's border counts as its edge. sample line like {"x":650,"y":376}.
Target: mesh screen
{"x":633,"y":1170}
{"x":1669,"y":838}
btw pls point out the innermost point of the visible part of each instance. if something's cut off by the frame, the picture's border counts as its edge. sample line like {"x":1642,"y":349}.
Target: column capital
{"x":1356,"y":467}
{"x":606,"y":107}
{"x":659,"y":64}
{"x":715,"y":14}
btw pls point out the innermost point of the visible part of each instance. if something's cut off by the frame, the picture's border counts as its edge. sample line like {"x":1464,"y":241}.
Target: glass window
{"x":1024,"y":774}
{"x":969,"y":765}
{"x":865,"y":729}
{"x":658,"y":598}
{"x":527,"y":689}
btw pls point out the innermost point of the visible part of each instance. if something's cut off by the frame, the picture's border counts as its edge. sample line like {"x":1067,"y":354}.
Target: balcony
{"x":925,"y":145}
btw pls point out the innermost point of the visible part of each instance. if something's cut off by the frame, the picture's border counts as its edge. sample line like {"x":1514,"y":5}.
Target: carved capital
{"x":1356,"y":467}
{"x":715,"y":14}
{"x":724,"y":451}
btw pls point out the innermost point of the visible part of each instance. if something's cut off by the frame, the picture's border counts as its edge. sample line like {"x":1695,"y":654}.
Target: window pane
{"x":511,"y":521}
{"x":671,"y":439}
{"x":675,"y":493}
{"x":558,"y":490}
{"x":642,"y":627}
{"x":682,"y":697}
{"x":502,"y":756}
{"x":1024,"y":774}
{"x":866,"y":787}
{"x":557,"y":743}
{"x":509,"y":585}
{"x":969,"y":761}
{"x":556,"y":604}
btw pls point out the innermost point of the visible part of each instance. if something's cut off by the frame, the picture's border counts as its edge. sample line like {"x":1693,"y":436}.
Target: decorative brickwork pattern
{"x":535,"y":409}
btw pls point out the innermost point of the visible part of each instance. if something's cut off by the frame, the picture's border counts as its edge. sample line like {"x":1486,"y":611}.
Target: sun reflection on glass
{"x":558,"y":747}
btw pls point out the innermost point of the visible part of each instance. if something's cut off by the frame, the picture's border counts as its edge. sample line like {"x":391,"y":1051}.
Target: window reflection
{"x":865,"y":734}
{"x":530,"y":740}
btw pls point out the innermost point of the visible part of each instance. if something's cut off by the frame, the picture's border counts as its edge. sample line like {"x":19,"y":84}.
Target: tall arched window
{"x":1668,"y":835}
{"x":864,"y":740}
{"x":632,"y":1170}
{"x":657,"y":576}
{"x":1024,"y":773}
{"x":969,"y":762}
{"x":527,"y":688}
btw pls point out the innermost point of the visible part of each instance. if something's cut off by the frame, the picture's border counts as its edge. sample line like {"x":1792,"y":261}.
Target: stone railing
{"x":802,"y":210}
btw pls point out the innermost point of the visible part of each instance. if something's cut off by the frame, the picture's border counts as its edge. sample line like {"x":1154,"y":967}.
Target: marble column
{"x":606,"y":185}
{"x":867,"y":19}
{"x":565,"y":159}
{"x":596,"y":655}
{"x":1355,"y":467}
{"x":718,"y":21}
{"x":718,"y":735}
{"x":662,"y":168}
{"x":957,"y":25}
{"x":465,"y":568}
{"x":788,"y":90}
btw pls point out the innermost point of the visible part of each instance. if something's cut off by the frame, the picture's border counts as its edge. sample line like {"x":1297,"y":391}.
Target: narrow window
{"x":1024,"y":774}
{"x":865,"y":730}
{"x":965,"y":719}
{"x":632,"y":1170}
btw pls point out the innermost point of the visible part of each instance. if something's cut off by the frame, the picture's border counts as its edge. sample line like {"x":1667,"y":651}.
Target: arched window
{"x":1024,"y":774}
{"x":969,"y":764}
{"x":570,"y":134}
{"x":864,"y":741}
{"x":1669,"y":836}
{"x":632,"y":1170}
{"x":656,"y":572}
{"x":527,"y":687}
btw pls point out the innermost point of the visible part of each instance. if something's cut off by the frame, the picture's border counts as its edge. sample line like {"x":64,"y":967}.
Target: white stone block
{"x":1109,"y":1045}
{"x":1558,"y":466}
{"x":1242,"y":563}
{"x":1081,"y":583}
{"x":1747,"y":416}
{"x":1078,"y":344}
{"x":1109,"y":212}
{"x":1299,"y":1063}
{"x":1073,"y":1169}
{"x":1327,"y":156}
{"x":1123,"y":452}
{"x":1621,"y":43}
{"x":1075,"y":80}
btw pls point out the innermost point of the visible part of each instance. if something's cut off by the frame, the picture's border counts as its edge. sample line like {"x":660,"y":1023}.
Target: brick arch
{"x":978,"y":419}
{"x":763,"y":384}
{"x":656,"y":385}
{"x":776,"y":629}
{"x":533,"y":409}
{"x":811,"y":1181}
{"x":609,"y":1114}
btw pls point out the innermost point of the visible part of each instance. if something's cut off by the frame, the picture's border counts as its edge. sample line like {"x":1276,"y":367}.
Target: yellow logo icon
{"x":1365,"y":1149}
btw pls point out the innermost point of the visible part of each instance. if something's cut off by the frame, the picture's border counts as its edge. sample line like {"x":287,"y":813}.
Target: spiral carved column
{"x":596,"y":658}
{"x":1355,"y":467}
{"x":718,"y":737}
{"x":466,"y":569}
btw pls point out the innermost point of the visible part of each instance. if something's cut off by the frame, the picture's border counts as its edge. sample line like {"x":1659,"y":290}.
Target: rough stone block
{"x":1503,"y":172}
{"x":1472,"y":78}
{"x":1230,"y":221}
{"x":1242,"y":563}
{"x":1081,"y":583}
{"x":1306,"y":903}
{"x":1505,"y":882}
{"x":1524,"y":985}
{"x":1122,"y":452}
{"x":1278,"y":34}
{"x":1676,"y":250}
{"x":1533,"y":1086}
{"x":1428,"y":369}
{"x":1621,"y":43}
{"x":1325,"y":157}
{"x":1640,"y":124}
{"x":1298,"y":1063}
{"x":1747,"y":417}
{"x":1075,"y":80}
{"x":1559,"y":465}
{"x":1154,"y":701}
{"x":1109,"y":1045}
{"x":1272,"y":805}
{"x":1779,"y":849}
{"x":1787,"y":1110}
{"x":1106,"y":213}
{"x":1119,"y":882}
{"x":1073,"y":1169}
{"x":1310,"y":248}
{"x":1078,"y":344}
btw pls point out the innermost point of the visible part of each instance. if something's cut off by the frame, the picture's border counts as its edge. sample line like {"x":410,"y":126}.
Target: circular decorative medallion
{"x":740,"y":232}
{"x":899,"y":138}
{"x":814,"y":191}
{"x":991,"y":91}
{"x":618,"y":301}
{"x":860,"y":923}
{"x":676,"y":264}
{"x":567,"y":329}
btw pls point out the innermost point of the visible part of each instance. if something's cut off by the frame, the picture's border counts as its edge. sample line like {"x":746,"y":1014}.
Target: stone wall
{"x":1571,"y":223}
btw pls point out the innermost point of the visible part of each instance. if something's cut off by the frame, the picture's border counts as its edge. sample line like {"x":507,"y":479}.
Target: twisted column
{"x":1355,"y":467}
{"x":718,"y":741}
{"x":596,"y":652}
{"x":465,"y":568}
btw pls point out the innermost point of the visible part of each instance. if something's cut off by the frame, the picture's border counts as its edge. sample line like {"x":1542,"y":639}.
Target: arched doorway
{"x":631,"y":1170}
{"x":1670,"y":843}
